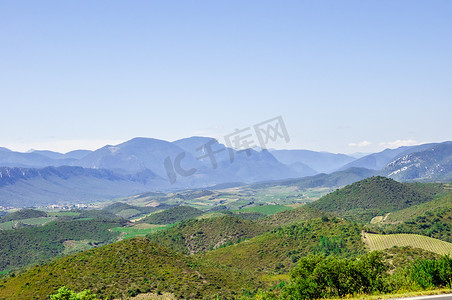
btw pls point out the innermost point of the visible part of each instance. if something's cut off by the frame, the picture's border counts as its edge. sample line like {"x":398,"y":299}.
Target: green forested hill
{"x":375,"y":196}
{"x":117,"y":207}
{"x":436,"y":223}
{"x":128,"y":211}
{"x":81,"y":230}
{"x":225,"y":253}
{"x":21,"y":247}
{"x":173,"y":215}
{"x":289,"y":217}
{"x":433,"y":219}
{"x":202,"y":235}
{"x":442,"y":202}
{"x":279,"y":249}
{"x":195,"y":236}
{"x":125,"y":269}
{"x":139,"y":265}
{"x":23,"y":214}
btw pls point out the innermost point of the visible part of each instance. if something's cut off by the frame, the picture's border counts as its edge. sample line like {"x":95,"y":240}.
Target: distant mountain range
{"x":430,"y":164}
{"x":319,"y":162}
{"x":146,"y":164}
{"x":378,"y":161}
{"x":22,"y":187}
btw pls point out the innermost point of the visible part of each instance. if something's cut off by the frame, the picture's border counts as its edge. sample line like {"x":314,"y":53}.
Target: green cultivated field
{"x":30,"y":221}
{"x":140,"y":230}
{"x":381,"y":242}
{"x":71,"y":246}
{"x":7,"y":225}
{"x":63,"y":214}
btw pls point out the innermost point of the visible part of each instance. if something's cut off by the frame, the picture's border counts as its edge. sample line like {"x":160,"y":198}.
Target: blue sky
{"x":346,"y":76}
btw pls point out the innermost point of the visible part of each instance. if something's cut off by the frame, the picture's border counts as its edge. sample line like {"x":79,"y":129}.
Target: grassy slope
{"x":139,"y":265}
{"x":436,"y":223}
{"x":444,"y":201}
{"x":218,"y":230}
{"x":403,"y":256}
{"x":278,"y":250}
{"x":265,"y":209}
{"x":289,"y":217}
{"x":36,"y":245}
{"x":126,"y":268}
{"x":201,"y":235}
{"x":433,"y":219}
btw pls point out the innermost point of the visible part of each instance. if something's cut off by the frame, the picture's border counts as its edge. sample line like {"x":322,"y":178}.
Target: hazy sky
{"x":346,"y":76}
